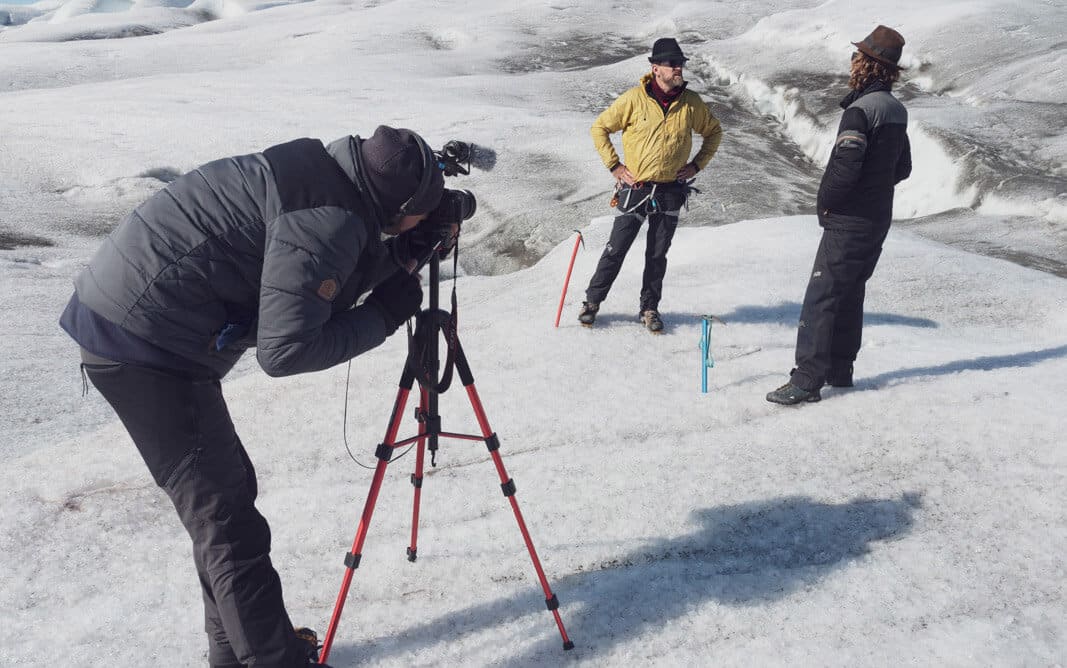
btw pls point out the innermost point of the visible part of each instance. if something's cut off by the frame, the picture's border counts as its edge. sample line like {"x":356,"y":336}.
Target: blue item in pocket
{"x":232,"y":331}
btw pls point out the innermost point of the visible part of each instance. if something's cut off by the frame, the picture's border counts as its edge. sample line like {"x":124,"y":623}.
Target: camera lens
{"x":466,"y":205}
{"x":456,"y":206}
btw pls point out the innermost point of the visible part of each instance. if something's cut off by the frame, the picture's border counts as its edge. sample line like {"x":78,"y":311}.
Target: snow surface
{"x":917,"y":519}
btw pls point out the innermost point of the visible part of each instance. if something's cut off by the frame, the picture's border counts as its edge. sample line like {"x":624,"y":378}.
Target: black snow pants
{"x":831,"y":320}
{"x":660,"y":204}
{"x":183,"y":430}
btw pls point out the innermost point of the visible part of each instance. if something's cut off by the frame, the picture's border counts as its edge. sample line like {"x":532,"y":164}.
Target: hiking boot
{"x":588,"y":315}
{"x":650,"y":317}
{"x":789,"y":395}
{"x":311,"y":639}
{"x":840,"y":377}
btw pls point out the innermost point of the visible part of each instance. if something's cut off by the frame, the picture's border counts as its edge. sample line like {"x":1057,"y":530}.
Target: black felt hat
{"x":666,"y":48}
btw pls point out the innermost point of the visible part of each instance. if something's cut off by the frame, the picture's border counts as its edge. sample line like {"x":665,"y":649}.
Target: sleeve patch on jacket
{"x":328,"y":289}
{"x":852,"y":139}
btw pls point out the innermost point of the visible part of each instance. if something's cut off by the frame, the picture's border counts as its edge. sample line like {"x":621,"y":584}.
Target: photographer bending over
{"x":269,"y":250}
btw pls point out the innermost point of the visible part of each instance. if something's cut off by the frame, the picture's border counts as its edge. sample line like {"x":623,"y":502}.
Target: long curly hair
{"x":866,"y":70}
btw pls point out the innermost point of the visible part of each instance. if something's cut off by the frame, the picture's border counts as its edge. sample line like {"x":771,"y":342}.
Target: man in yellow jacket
{"x":657,"y":118}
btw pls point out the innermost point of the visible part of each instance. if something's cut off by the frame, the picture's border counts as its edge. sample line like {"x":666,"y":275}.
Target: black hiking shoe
{"x":840,"y":377}
{"x":650,"y":318}
{"x":789,"y":395}
{"x":588,"y":315}
{"x":311,"y":639}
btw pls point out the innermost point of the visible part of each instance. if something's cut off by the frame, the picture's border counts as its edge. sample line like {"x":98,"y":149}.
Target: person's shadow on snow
{"x":783,"y":313}
{"x":988,"y":363}
{"x":739,"y":555}
{"x":788,"y":313}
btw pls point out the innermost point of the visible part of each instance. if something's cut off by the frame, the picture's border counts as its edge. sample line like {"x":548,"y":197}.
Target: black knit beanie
{"x":393,"y":159}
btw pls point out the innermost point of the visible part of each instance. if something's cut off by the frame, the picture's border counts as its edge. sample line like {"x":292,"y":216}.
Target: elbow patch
{"x":852,"y":140}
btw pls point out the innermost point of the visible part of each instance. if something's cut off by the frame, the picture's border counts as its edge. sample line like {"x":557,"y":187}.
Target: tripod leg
{"x":508,"y":486}
{"x":416,"y":478}
{"x":383,"y":453}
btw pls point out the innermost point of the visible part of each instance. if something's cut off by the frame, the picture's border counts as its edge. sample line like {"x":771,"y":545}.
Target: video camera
{"x":454,"y":158}
{"x":455,"y":207}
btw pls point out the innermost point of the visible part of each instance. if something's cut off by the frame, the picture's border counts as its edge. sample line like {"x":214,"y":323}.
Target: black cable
{"x":348,"y":374}
{"x":344,"y":424}
{"x":344,"y":427}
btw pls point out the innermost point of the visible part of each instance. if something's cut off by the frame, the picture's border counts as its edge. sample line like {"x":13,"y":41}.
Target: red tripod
{"x":422,"y":362}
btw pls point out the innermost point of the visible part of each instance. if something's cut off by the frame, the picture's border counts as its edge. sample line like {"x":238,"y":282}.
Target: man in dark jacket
{"x":855,"y":206}
{"x":270,"y":250}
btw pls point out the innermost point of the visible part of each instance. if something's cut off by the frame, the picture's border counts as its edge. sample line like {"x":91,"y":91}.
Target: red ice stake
{"x":567,"y":280}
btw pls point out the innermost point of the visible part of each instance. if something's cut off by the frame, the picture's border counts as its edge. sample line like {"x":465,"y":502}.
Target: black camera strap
{"x":419,"y":341}
{"x":450,"y":330}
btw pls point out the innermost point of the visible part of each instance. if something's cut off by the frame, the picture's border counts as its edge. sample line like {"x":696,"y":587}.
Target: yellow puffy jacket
{"x":656,"y":145}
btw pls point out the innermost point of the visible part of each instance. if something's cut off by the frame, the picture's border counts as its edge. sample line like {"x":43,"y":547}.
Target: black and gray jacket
{"x":870,"y":156}
{"x":270,"y":250}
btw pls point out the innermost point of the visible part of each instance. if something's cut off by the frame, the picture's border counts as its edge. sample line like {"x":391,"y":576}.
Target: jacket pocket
{"x":103,"y":369}
{"x":837,"y":221}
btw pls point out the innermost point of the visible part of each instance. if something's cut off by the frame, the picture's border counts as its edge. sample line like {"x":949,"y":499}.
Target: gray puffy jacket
{"x":270,"y":250}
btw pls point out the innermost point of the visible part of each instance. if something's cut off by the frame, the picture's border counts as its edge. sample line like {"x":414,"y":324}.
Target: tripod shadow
{"x":748,"y":554}
{"x":988,"y":363}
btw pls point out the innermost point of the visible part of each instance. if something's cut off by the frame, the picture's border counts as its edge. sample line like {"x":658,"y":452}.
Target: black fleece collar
{"x":854,"y":95}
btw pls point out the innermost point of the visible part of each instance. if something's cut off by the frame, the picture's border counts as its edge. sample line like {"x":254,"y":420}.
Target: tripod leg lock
{"x":384,"y":452}
{"x":509,"y":487}
{"x":352,"y":560}
{"x":492,"y":442}
{"x":433,"y":422}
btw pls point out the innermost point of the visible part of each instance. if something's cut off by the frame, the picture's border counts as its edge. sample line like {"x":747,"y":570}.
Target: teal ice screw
{"x":707,"y":362}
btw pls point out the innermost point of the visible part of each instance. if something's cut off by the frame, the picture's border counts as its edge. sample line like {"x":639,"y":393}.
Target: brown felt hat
{"x":884,"y":45}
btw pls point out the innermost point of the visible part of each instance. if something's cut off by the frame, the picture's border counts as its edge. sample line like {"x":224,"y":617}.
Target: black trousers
{"x":661,"y":208}
{"x":831,"y":320}
{"x":183,"y":430}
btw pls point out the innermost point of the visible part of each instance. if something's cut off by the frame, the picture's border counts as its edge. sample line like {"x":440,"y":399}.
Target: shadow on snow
{"x":789,"y":313}
{"x":785,"y":313}
{"x":747,"y":554}
{"x":988,"y":363}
